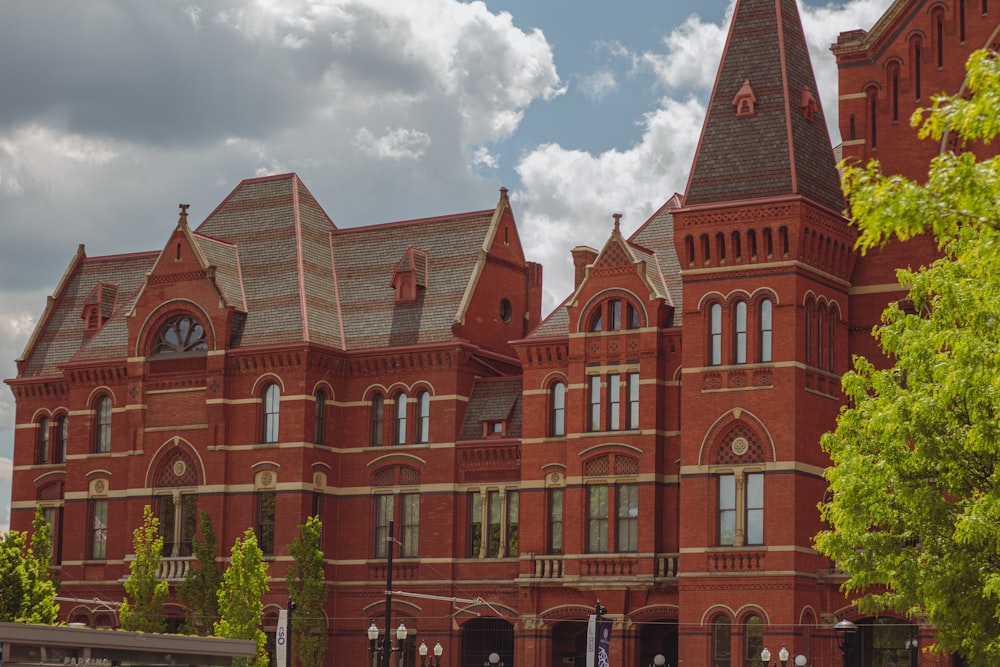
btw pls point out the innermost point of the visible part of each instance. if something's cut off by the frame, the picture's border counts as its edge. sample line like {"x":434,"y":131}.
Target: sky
{"x":113,"y":112}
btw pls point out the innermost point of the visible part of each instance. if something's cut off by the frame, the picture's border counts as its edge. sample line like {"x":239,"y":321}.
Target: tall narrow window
{"x":409,"y":525}
{"x":557,"y":412}
{"x":266,"y":503}
{"x":632,"y":411}
{"x":42,"y":453}
{"x":102,"y":425}
{"x":752,"y":243}
{"x":737,"y":248}
{"x":633,"y":316}
{"x":689,"y":244}
{"x":894,"y":90}
{"x":627,"y":533}
{"x":721,"y":638}
{"x":873,"y":117}
{"x":961,"y":21}
{"x":62,"y":439}
{"x":400,"y":429}
{"x":594,"y":393}
{"x":383,"y":515}
{"x":597,"y":321}
{"x":917,"y":56}
{"x":53,"y":523}
{"x":597,"y":519}
{"x":555,"y":521}
{"x":513,"y":522}
{"x":614,"y":315}
{"x":727,"y":510}
{"x":939,"y":34}
{"x":271,"y":407}
{"x":768,"y":243}
{"x":614,"y":402}
{"x":706,"y":248}
{"x":377,"y":419}
{"x":809,"y":317}
{"x":753,"y":641}
{"x":755,"y":508}
{"x":831,"y":321}
{"x":765,"y":330}
{"x":720,"y":246}
{"x":319,"y":435}
{"x":475,"y":523}
{"x":820,"y":312}
{"x":495,"y":515}
{"x":740,"y":333}
{"x":715,"y":335}
{"x":178,"y":516}
{"x":424,"y":417}
{"x":98,"y":529}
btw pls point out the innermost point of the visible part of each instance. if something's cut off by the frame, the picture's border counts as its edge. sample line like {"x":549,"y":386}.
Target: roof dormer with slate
{"x":410,"y":276}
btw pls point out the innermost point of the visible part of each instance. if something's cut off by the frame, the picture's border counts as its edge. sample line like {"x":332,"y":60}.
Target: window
{"x":423,"y":417}
{"x":740,"y":510}
{"x":178,"y":515}
{"x":894,"y":89}
{"x":831,"y":320}
{"x":557,"y":410}
{"x":715,"y":335}
{"x":917,"y":54}
{"x":740,"y":333}
{"x":181,"y":334}
{"x":555,"y":521}
{"x":614,"y":315}
{"x":633,"y":317}
{"x":820,"y":312}
{"x":766,"y":330}
{"x":872,"y":94}
{"x":98,"y":529}
{"x":633,"y":401}
{"x":961,"y":21}
{"x":399,"y":432}
{"x":594,"y":392}
{"x":319,"y":437}
{"x":627,"y":536}
{"x":62,"y":439}
{"x":614,"y":402}
{"x":809,"y":317}
{"x":377,"y":417}
{"x":53,"y":524}
{"x":499,"y":537}
{"x":270,"y":410}
{"x":42,"y":448}
{"x":737,"y":247}
{"x":383,"y":515}
{"x":266,"y":502}
{"x":409,"y":524}
{"x":753,"y":640}
{"x":597,"y":322}
{"x":597,"y":519}
{"x":102,"y":425}
{"x":720,"y":641}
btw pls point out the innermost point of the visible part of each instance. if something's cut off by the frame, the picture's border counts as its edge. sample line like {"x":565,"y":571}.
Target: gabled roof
{"x":775,"y":151}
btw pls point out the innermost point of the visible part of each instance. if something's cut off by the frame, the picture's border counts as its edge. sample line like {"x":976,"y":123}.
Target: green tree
{"x":240,"y":597}
{"x":915,"y":511}
{"x":14,"y":591}
{"x":199,"y":591}
{"x":27,"y":592}
{"x":145,"y":611}
{"x":307,"y":588}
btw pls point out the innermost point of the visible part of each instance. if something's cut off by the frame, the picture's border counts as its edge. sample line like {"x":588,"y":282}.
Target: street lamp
{"x":658,"y":660}
{"x":765,"y":656}
{"x":800,"y":660}
{"x":845,"y":633}
{"x":913,"y":645}
{"x":436,"y":661}
{"x":493,"y":660}
{"x":384,"y":648}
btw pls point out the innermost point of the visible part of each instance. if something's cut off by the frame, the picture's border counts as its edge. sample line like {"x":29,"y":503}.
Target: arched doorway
{"x":483,"y":636}
{"x":883,"y":641}
{"x":569,"y":643}
{"x":658,"y":638}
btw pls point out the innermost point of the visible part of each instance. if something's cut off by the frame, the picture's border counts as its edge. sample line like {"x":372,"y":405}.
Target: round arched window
{"x":181,"y":334}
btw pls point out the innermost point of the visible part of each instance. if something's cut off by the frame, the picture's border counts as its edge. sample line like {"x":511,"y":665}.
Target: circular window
{"x":181,"y":334}
{"x":505,"y":310}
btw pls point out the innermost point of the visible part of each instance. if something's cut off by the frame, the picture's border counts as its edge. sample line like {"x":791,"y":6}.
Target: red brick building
{"x":652,"y":443}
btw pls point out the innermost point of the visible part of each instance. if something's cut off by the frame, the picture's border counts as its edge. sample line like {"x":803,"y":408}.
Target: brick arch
{"x":736,"y":423}
{"x":736,"y":295}
{"x":654,"y":612}
{"x":166,"y":311}
{"x":762,"y":293}
{"x":596,"y":302}
{"x":173,"y":456}
{"x":395,"y":475}
{"x":748,"y":610}
{"x":708,"y":298}
{"x":53,"y":490}
{"x":565,"y":612}
{"x":715,"y":610}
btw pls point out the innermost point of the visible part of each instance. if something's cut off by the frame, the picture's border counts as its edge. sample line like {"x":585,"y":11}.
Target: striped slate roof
{"x":225,"y":258}
{"x":775,"y":151}
{"x":493,"y":399}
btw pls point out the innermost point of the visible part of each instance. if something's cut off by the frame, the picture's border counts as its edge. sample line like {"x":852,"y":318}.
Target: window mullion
{"x":741,"y":509}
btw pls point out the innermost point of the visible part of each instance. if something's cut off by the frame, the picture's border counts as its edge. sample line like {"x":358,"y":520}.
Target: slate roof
{"x":775,"y":151}
{"x":493,"y":399}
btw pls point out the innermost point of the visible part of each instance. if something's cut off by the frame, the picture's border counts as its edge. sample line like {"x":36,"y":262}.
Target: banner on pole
{"x":591,"y":640}
{"x":281,"y":638}
{"x":604,"y":643}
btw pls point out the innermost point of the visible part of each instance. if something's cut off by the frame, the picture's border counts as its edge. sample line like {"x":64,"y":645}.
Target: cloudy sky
{"x":114,"y":112}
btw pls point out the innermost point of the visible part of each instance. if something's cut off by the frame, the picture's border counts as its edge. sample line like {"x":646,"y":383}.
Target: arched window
{"x":632,"y":314}
{"x":939,"y":36}
{"x":715,"y":335}
{"x":557,"y":409}
{"x":872,"y":94}
{"x":721,"y":631}
{"x":706,"y":249}
{"x":753,"y":640}
{"x":831,"y":323}
{"x":737,"y":247}
{"x":766,"y":330}
{"x":319,"y":436}
{"x":400,"y":429}
{"x":740,"y":333}
{"x":180,"y":334}
{"x":720,"y":245}
{"x":423,"y":417}
{"x":961,"y":21}
{"x":893,"y":72}
{"x":783,"y":235}
{"x":102,"y":424}
{"x":377,"y":419}
{"x":597,"y":321}
{"x":62,"y":439}
{"x":614,"y":315}
{"x":808,"y":330}
{"x":689,"y":244}
{"x":820,"y":316}
{"x":752,"y":243}
{"x":270,"y":408}
{"x":42,"y":452}
{"x":916,"y":50}
{"x":768,"y":243}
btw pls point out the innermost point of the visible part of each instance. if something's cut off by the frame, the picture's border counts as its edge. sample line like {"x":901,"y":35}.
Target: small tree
{"x":145,"y":612}
{"x":14,"y":575}
{"x":199,"y":591}
{"x":40,"y":604}
{"x":307,"y":588}
{"x":244,"y":584}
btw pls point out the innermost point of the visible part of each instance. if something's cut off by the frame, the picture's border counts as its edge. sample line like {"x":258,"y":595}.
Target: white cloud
{"x":692,"y":53}
{"x":396,"y":144}
{"x":598,"y":85}
{"x":482,"y":157}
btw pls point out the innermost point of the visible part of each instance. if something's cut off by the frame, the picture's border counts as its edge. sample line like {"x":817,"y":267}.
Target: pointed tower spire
{"x":758,"y":141}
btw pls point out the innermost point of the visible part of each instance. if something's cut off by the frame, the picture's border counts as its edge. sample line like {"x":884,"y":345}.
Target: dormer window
{"x":745,"y":101}
{"x":180,"y":334}
{"x":809,"y":104}
{"x":495,"y":428}
{"x":410,"y":275}
{"x":99,"y":305}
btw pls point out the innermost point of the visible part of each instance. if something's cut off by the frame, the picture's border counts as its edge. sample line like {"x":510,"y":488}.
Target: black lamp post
{"x":383,"y":649}
{"x":845,"y":633}
{"x":913,"y":645}
{"x":436,"y":660}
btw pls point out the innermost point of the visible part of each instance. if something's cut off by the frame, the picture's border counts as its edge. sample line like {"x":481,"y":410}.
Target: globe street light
{"x":845,"y":633}
{"x":436,"y":661}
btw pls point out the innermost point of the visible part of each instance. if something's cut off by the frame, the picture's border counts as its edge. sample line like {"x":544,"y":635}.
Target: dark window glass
{"x":383,"y":515}
{"x":555,"y":521}
{"x":102,"y":426}
{"x":423,"y":417}
{"x":266,"y":503}
{"x":475,"y":523}
{"x":614,"y":315}
{"x":721,"y":642}
{"x":42,"y":451}
{"x":98,"y":529}
{"x":400,"y":429}
{"x":377,"y":417}
{"x":409,"y":525}
{"x":180,"y":334}
{"x":319,"y":436}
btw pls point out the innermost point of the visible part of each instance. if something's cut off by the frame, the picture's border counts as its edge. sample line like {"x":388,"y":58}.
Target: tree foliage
{"x":307,"y":588}
{"x":144,"y":613}
{"x":915,"y":508}
{"x":240,"y":597}
{"x":199,"y":591}
{"x":28,"y":592}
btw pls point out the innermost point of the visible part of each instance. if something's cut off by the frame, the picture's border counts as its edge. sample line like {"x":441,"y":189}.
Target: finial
{"x":618,"y":220}
{"x":184,"y":213}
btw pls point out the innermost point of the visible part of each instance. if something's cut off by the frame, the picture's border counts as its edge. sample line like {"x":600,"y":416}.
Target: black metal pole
{"x":386,"y":643}
{"x":288,"y":634}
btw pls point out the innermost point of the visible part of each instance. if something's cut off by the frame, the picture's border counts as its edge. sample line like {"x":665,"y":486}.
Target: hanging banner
{"x":591,"y":641}
{"x":604,"y":642}
{"x":281,"y":638}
